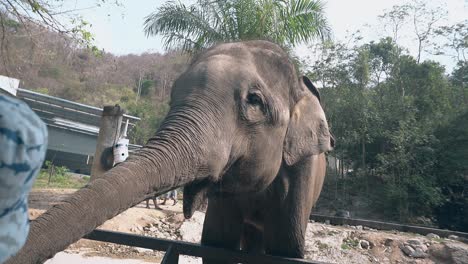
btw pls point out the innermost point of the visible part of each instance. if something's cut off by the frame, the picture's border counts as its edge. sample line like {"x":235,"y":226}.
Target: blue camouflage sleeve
{"x":23,"y":144}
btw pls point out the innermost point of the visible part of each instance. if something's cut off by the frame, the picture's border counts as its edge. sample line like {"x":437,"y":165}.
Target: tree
{"x":452,"y":170}
{"x":455,"y":41}
{"x":459,"y":81}
{"x":36,"y":17}
{"x":383,"y":107}
{"x":207,"y":22}
{"x":422,"y":18}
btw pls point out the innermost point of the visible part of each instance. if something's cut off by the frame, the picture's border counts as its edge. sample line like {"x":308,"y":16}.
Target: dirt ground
{"x":327,"y":243}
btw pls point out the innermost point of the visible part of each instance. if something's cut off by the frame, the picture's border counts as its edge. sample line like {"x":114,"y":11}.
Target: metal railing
{"x":49,"y":107}
{"x":379,"y":225}
{"x":175,"y":248}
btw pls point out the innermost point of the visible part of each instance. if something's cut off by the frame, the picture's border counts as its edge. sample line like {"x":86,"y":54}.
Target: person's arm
{"x":23,"y":144}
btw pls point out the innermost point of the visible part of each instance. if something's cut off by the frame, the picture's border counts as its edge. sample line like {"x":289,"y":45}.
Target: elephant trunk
{"x":169,"y":160}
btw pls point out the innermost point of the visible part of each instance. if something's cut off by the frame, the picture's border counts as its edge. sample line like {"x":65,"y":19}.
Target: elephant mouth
{"x":228,"y":168}
{"x":236,"y":178}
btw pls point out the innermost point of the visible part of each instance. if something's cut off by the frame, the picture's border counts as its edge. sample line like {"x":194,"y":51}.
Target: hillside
{"x":53,"y":64}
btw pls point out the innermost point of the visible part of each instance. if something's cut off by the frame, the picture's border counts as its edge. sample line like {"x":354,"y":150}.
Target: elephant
{"x":261,"y":221}
{"x":243,"y":129}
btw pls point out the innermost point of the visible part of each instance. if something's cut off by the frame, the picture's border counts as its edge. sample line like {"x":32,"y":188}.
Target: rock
{"x":327,"y":222}
{"x":342,"y":213}
{"x":388,"y":242}
{"x":418,"y":253}
{"x":432,"y":236}
{"x":364,"y":244}
{"x":449,"y":253}
{"x":421,"y":220}
{"x":453,"y":237}
{"x":176,"y":218}
{"x":142,"y":250}
{"x":422,"y":247}
{"x":414,"y":242}
{"x":366,"y":228}
{"x":408,"y":250}
{"x":192,"y":228}
{"x":459,"y":253}
{"x":359,"y":227}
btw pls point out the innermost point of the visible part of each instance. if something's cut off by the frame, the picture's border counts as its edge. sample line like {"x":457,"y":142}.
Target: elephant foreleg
{"x":252,"y":239}
{"x":297,"y":189}
{"x":284,"y":235}
{"x":222,"y":226}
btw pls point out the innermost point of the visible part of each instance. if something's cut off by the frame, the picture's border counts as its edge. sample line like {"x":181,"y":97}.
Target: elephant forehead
{"x":226,"y":65}
{"x":222,"y":68}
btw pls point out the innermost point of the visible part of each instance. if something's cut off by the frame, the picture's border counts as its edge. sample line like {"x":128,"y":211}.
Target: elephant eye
{"x":255,"y":99}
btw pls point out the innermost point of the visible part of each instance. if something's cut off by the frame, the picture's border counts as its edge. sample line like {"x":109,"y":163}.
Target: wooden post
{"x":109,"y":131}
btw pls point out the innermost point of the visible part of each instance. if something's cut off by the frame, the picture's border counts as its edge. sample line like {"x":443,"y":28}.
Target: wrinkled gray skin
{"x":236,"y":115}
{"x":270,"y":220}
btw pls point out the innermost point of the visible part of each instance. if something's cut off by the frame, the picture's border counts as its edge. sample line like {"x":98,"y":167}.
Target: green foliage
{"x":63,"y":67}
{"x":58,"y":177}
{"x":11,"y":24}
{"x":49,"y":72}
{"x":451,"y":169}
{"x":34,"y":15}
{"x":42,"y":90}
{"x":206,"y":23}
{"x":386,"y":111}
{"x":459,"y":85}
{"x":146,"y":86}
{"x":151,"y":115}
{"x":455,"y":41}
{"x":350,"y":243}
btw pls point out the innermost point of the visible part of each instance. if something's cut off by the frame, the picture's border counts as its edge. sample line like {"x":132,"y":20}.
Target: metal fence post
{"x":171,"y":256}
{"x":109,"y":131}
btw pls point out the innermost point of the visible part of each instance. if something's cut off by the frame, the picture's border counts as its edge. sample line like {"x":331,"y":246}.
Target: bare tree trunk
{"x":51,"y":172}
{"x":139,"y":88}
{"x":363,"y":145}
{"x":336,"y":178}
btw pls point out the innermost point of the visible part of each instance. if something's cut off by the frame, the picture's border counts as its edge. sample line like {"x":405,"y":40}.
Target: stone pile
{"x":162,"y":229}
{"x":415,"y":248}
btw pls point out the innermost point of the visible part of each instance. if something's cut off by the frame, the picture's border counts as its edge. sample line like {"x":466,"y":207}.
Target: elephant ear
{"x":308,"y":132}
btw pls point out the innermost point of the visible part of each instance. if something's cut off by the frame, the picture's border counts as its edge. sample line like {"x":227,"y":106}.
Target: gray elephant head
{"x":237,"y":112}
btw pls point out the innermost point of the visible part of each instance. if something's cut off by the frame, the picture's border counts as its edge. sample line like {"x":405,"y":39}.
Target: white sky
{"x":120,"y":29}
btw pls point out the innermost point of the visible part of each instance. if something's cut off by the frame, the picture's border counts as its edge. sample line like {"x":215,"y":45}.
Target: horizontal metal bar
{"x":190,"y":249}
{"x":387,"y":225}
{"x":86,"y":132}
{"x":51,"y":110}
{"x":23,"y":93}
{"x":58,"y":101}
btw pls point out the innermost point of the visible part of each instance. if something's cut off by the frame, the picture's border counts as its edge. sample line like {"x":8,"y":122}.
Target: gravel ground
{"x":327,"y":243}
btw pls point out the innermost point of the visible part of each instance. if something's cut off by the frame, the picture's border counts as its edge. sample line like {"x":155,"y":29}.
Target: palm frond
{"x":287,"y":22}
{"x":189,"y":23}
{"x":305,"y":20}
